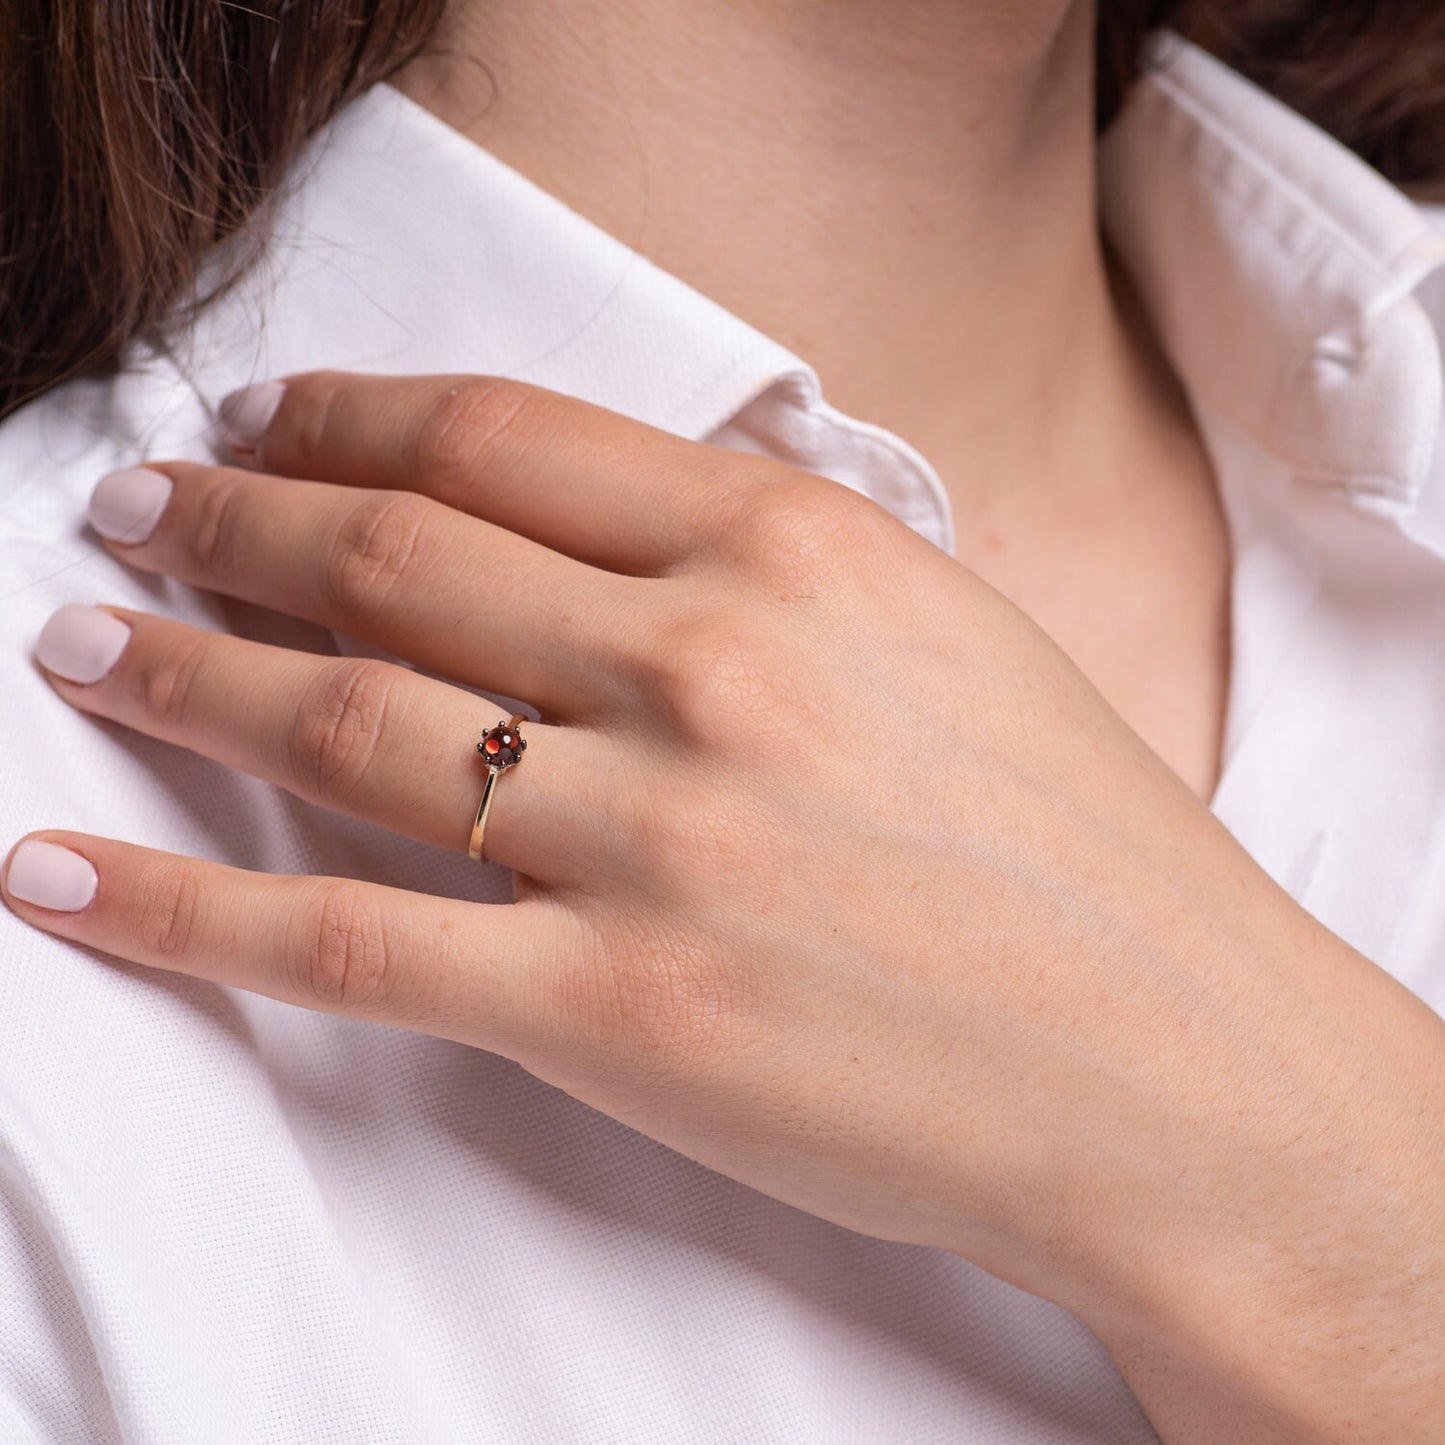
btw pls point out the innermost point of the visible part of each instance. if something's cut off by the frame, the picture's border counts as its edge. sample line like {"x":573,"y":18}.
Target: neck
{"x":903,"y":195}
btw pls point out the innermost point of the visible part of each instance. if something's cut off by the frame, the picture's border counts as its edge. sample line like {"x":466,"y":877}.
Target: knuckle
{"x":803,"y":534}
{"x":344,"y":958}
{"x":215,"y":522}
{"x":340,"y":721}
{"x":672,"y":1011}
{"x":469,"y":421}
{"x":697,"y":835}
{"x":169,"y":896}
{"x":662,"y":1004}
{"x":309,"y":413}
{"x":714,"y":672}
{"x":376,"y":544}
{"x":162,"y":675}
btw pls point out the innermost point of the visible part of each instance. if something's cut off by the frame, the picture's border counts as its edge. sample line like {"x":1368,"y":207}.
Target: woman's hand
{"x":832,"y":871}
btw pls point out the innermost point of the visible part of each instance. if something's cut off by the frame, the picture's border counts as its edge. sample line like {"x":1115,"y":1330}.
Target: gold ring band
{"x":502,"y":746}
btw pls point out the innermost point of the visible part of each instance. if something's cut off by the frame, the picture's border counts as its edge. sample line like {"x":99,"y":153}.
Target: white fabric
{"x":224,"y":1219}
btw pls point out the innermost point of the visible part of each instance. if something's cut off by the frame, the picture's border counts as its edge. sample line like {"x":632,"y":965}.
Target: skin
{"x":969,"y":298}
{"x":1016,"y":994}
{"x":1013,"y":993}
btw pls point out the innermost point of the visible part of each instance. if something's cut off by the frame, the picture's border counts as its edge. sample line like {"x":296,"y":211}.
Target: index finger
{"x":576,"y":477}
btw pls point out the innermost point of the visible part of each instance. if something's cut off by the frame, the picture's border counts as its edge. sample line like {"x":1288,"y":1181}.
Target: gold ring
{"x":502,"y":747}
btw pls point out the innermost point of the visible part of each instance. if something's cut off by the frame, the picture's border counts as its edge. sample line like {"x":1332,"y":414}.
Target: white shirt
{"x":227,"y":1219}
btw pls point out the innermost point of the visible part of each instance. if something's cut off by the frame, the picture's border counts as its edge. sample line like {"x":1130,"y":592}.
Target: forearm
{"x":1299,"y":1295}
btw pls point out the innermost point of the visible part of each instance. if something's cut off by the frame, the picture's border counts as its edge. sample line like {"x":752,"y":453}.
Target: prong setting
{"x":502,"y":745}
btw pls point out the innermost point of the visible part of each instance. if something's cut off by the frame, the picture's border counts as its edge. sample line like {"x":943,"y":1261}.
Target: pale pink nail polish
{"x":50,"y":876}
{"x":245,"y":414}
{"x":126,"y":505}
{"x":81,"y":643}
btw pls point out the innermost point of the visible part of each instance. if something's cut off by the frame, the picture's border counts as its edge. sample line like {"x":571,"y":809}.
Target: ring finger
{"x":364,"y":737}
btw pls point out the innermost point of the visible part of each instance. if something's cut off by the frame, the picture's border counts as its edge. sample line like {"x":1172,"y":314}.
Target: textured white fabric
{"x":223,"y":1219}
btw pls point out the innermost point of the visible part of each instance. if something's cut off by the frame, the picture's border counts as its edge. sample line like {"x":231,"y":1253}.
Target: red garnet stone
{"x":501,"y":746}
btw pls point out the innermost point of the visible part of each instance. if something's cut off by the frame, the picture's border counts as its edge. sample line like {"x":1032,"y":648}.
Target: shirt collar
{"x":401,"y":245}
{"x":1278,"y":268}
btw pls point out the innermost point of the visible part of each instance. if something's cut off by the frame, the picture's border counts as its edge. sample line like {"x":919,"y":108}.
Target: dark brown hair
{"x":137,"y":134}
{"x":1373,"y":74}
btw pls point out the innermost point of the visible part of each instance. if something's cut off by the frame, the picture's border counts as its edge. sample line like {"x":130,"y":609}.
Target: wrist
{"x":1286,"y":1346}
{"x":1281,"y":1276}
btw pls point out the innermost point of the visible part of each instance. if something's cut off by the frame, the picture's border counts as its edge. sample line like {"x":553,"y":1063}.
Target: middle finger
{"x":455,"y":594}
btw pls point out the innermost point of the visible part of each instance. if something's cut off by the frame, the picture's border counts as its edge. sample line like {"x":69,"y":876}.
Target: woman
{"x":975,"y":943}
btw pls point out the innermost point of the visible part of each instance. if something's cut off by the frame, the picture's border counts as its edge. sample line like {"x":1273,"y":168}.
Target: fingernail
{"x":51,"y":876}
{"x":81,"y":643}
{"x":246,"y":414}
{"x":126,"y":505}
